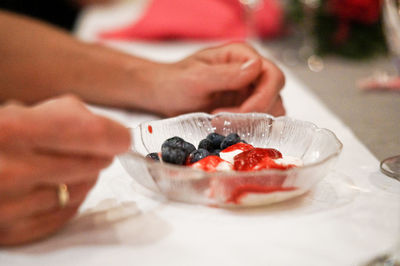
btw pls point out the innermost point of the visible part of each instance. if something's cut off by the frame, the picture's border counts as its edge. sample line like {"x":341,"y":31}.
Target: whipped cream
{"x":228,"y":156}
{"x":285,"y":160}
{"x":224,"y":166}
{"x":289,"y":160}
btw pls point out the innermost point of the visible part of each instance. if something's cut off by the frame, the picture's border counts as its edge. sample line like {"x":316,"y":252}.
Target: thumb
{"x":233,"y":76}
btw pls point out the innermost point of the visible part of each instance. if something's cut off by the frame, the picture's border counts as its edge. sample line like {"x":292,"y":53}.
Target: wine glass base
{"x":391,"y":167}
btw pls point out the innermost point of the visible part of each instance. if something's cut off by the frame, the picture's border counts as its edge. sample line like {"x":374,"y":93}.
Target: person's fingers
{"x":230,"y":76}
{"x":266,"y":90}
{"x":99,"y":136}
{"x":228,"y":67}
{"x":235,"y":101}
{"x":224,"y":99}
{"x":227,"y":53}
{"x":226,"y":109}
{"x":63,"y":125}
{"x":78,"y":130}
{"x":19,"y":172}
{"x":278,"y":109}
{"x":36,"y":227}
{"x":41,"y":200}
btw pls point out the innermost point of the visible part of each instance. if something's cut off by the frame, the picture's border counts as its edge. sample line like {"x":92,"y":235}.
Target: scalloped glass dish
{"x":316,"y":147}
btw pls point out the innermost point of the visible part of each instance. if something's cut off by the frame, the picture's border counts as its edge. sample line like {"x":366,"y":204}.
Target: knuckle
{"x":240,"y":46}
{"x":70,"y":98}
{"x":281,"y":77}
{"x":276,"y":73}
{"x":71,"y":102}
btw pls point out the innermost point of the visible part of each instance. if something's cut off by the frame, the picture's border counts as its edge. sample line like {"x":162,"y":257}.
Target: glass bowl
{"x":316,"y":147}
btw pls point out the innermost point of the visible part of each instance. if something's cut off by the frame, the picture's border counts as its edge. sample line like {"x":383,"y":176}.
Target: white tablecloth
{"x":350,"y":216}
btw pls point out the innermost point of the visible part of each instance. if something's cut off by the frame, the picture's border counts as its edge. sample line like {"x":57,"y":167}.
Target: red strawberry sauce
{"x":238,"y":146}
{"x":258,"y":159}
{"x":209,"y":163}
{"x":240,"y":191}
{"x":251,"y":159}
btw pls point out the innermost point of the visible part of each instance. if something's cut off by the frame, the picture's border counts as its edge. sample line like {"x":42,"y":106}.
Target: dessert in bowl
{"x":312,"y":149}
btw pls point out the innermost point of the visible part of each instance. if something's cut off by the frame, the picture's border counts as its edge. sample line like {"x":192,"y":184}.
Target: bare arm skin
{"x":40,"y":61}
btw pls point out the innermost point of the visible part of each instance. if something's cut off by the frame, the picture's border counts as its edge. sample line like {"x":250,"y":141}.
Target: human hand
{"x":56,"y":142}
{"x":231,"y":78}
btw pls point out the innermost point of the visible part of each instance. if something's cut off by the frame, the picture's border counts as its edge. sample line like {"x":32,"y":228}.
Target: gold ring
{"x":63,"y":195}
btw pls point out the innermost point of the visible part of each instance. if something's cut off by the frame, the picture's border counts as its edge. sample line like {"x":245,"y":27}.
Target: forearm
{"x":39,"y":61}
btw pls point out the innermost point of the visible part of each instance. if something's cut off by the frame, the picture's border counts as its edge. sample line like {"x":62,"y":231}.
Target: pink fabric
{"x":200,"y":19}
{"x":385,"y":83}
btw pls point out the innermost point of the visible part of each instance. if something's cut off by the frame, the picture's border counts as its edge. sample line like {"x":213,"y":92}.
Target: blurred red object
{"x":379,"y":82}
{"x":204,"y":19}
{"x":362,"y":11}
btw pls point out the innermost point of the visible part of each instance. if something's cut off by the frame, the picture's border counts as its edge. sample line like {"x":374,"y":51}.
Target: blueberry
{"x":216,"y":139}
{"x":179,"y":143}
{"x":173,"y":155}
{"x":206,"y":144}
{"x":243,"y":141}
{"x":197,"y":155}
{"x":188,"y":147}
{"x":215,"y":152}
{"x":174,"y":142}
{"x":230,"y":140}
{"x":153,"y":156}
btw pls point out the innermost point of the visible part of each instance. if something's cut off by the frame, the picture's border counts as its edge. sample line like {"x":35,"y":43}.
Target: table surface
{"x":347,"y":218}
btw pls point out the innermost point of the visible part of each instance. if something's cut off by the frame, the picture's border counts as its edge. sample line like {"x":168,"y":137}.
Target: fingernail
{"x":247,"y":64}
